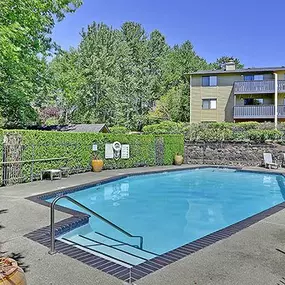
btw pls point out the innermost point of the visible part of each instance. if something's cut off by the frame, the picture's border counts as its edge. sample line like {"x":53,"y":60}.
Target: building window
{"x":251,"y":77}
{"x":209,"y":104}
{"x":209,"y":81}
{"x":258,"y":77}
{"x":248,"y":77}
{"x":252,"y":101}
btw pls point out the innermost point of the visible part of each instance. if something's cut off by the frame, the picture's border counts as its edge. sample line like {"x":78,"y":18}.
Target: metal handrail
{"x":52,"y":226}
{"x":34,"y":160}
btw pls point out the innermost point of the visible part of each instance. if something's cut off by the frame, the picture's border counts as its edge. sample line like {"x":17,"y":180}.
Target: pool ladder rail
{"x":93,"y":213}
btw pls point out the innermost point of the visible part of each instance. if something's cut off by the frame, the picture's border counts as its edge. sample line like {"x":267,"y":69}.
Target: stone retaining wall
{"x":226,"y":153}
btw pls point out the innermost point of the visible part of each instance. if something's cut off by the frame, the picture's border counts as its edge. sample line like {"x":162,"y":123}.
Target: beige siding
{"x":228,"y":80}
{"x":223,"y":80}
{"x":229,"y":110}
{"x":196,"y":81}
{"x":223,"y":94}
{"x":281,"y":75}
{"x":209,"y":116}
{"x":195,"y":104}
{"x":209,"y":92}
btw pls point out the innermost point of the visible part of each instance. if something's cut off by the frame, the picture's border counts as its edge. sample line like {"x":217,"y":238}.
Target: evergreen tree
{"x":125,"y":77}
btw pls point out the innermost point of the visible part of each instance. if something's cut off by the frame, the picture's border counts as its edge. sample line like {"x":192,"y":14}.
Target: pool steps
{"x":113,"y":249}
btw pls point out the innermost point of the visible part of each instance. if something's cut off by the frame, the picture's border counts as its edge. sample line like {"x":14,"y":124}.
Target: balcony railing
{"x":258,"y":112}
{"x":258,"y":86}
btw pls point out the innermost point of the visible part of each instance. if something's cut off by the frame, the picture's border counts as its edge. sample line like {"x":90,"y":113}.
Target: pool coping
{"x":136,"y":272}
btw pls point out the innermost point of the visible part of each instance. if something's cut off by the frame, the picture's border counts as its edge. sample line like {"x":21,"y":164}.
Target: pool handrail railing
{"x":52,"y":225}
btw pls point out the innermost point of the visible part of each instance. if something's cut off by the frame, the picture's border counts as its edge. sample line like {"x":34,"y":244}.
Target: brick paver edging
{"x":131,"y":274}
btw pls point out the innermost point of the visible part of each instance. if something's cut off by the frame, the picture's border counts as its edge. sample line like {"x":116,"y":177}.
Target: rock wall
{"x":226,"y":153}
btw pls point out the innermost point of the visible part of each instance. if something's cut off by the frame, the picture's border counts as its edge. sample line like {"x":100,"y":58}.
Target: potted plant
{"x":97,"y":164}
{"x":10,"y":272}
{"x":178,"y":159}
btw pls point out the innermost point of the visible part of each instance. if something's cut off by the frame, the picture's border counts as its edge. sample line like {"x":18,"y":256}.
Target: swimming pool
{"x":170,"y":209}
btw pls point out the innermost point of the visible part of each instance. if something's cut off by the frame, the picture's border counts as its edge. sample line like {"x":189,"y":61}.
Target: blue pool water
{"x":174,"y":208}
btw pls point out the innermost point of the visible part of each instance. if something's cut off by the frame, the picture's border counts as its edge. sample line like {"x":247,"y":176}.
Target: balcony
{"x":258,"y":86}
{"x":258,"y":112}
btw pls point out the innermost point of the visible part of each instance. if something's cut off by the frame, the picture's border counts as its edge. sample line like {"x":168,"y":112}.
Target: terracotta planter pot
{"x":13,"y":274}
{"x":97,"y":165}
{"x":178,"y":159}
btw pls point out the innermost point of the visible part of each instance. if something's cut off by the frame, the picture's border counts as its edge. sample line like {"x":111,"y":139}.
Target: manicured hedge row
{"x":118,"y":130}
{"x":173,"y":144}
{"x":78,"y":148}
{"x":234,"y":132}
{"x":216,"y":132}
{"x":166,"y":127}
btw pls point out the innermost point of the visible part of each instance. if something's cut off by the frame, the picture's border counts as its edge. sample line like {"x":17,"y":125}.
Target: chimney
{"x":230,"y":65}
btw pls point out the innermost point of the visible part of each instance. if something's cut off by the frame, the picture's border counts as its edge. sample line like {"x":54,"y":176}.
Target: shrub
{"x":254,"y":131}
{"x":78,"y":148}
{"x":219,"y":126}
{"x":247,"y":125}
{"x":266,"y":126}
{"x":223,"y":131}
{"x":281,"y":127}
{"x":118,"y":130}
{"x":172,"y":144}
{"x":209,"y":132}
{"x":165,"y":127}
{"x":263,"y":135}
{"x":51,"y":122}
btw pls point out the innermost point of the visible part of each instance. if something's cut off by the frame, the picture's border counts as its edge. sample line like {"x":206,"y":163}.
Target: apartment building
{"x":235,"y":95}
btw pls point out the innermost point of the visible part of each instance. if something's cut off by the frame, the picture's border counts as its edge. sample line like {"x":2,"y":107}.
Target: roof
{"x":86,"y":128}
{"x":244,"y":70}
{"x":93,"y":128}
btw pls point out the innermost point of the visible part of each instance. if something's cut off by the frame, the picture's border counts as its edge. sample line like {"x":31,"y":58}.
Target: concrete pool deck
{"x":247,"y":257}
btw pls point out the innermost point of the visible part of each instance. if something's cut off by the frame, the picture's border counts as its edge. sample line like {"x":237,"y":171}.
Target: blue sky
{"x":251,"y":30}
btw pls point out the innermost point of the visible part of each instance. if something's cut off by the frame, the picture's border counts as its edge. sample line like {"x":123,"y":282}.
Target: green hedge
{"x":215,"y":132}
{"x":118,"y":130}
{"x":263,"y":135}
{"x":173,"y":144}
{"x":249,"y":131}
{"x":78,"y":148}
{"x":166,"y":127}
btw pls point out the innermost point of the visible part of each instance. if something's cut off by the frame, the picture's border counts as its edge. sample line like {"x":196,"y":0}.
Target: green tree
{"x":172,"y":106}
{"x":25,"y":28}
{"x":121,"y":74}
{"x":175,"y":100}
{"x":220,"y":62}
{"x":125,"y":77}
{"x":158,"y":49}
{"x":102,"y":53}
{"x":179,"y":61}
{"x":66,"y":84}
{"x":138,"y":78}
